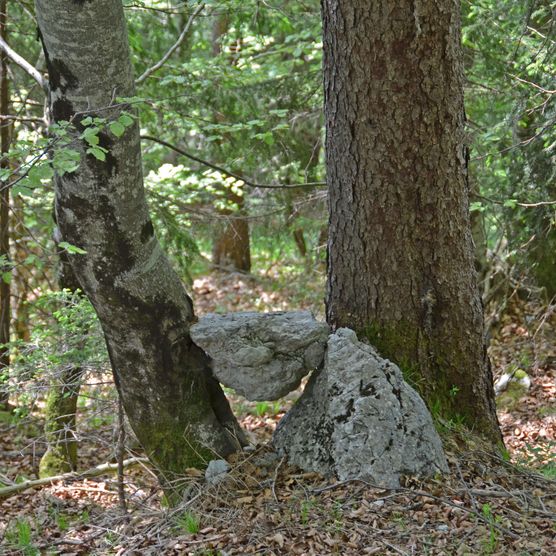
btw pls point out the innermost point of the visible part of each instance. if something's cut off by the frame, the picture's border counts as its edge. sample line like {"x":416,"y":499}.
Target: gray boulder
{"x":358,"y":419}
{"x":262,"y":356}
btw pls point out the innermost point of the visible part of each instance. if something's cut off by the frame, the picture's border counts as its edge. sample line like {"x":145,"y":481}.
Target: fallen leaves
{"x":267,"y":507}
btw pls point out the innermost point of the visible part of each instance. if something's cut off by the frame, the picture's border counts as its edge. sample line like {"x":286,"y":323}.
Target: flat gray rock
{"x":358,"y":419}
{"x":262,"y":356}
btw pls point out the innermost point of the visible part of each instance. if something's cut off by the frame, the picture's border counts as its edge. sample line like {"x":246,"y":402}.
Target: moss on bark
{"x":60,"y":421}
{"x":435,"y":381}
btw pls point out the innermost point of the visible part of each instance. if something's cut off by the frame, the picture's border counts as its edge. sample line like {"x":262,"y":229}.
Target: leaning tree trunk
{"x":175,"y":406}
{"x":400,"y":249}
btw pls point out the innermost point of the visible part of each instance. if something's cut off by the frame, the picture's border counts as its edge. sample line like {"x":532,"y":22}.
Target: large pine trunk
{"x":400,"y":250}
{"x":174,"y":405}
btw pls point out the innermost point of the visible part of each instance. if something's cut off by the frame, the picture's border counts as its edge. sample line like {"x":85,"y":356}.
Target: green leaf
{"x":510,"y":203}
{"x":98,"y":152}
{"x":37,"y":174}
{"x":66,"y":161}
{"x":7,"y":277}
{"x":92,"y":140}
{"x":117,"y":128}
{"x":125,"y":119}
{"x":87,"y":121}
{"x":71,"y":248}
{"x":267,"y":137}
{"x":23,"y":190}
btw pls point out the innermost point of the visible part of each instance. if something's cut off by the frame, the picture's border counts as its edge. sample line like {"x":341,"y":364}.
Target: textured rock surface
{"x":217,"y":471}
{"x":262,"y":356}
{"x":358,"y":419}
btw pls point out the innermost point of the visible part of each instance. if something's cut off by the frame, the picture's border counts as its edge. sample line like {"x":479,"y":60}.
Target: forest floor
{"x":487,"y":505}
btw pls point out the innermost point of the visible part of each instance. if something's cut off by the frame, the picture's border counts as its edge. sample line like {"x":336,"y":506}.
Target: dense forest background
{"x":229,"y":100}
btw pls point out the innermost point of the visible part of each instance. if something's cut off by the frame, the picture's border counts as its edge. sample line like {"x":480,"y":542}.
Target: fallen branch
{"x":8,"y":491}
{"x":276,"y":471}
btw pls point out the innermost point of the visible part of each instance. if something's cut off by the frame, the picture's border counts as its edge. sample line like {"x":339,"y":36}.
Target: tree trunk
{"x":5,"y":307}
{"x":231,"y":248}
{"x":22,"y":275}
{"x":306,"y":146}
{"x":539,"y":172}
{"x":175,"y":406}
{"x":60,"y":419}
{"x":401,"y":266}
{"x":60,"y":424}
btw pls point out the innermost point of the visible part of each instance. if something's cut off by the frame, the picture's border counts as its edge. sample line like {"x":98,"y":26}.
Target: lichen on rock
{"x":263,"y":356}
{"x":358,"y":419}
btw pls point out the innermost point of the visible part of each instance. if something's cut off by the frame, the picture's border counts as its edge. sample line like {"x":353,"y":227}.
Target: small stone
{"x":217,"y":471}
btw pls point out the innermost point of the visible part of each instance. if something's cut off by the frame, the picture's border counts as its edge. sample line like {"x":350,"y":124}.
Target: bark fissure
{"x":400,"y":250}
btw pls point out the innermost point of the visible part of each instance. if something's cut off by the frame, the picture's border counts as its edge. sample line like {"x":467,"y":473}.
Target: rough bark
{"x":400,"y":250}
{"x":175,"y":407}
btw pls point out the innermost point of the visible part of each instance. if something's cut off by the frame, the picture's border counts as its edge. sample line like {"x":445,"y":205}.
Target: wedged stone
{"x":262,"y":356}
{"x":358,"y":419}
